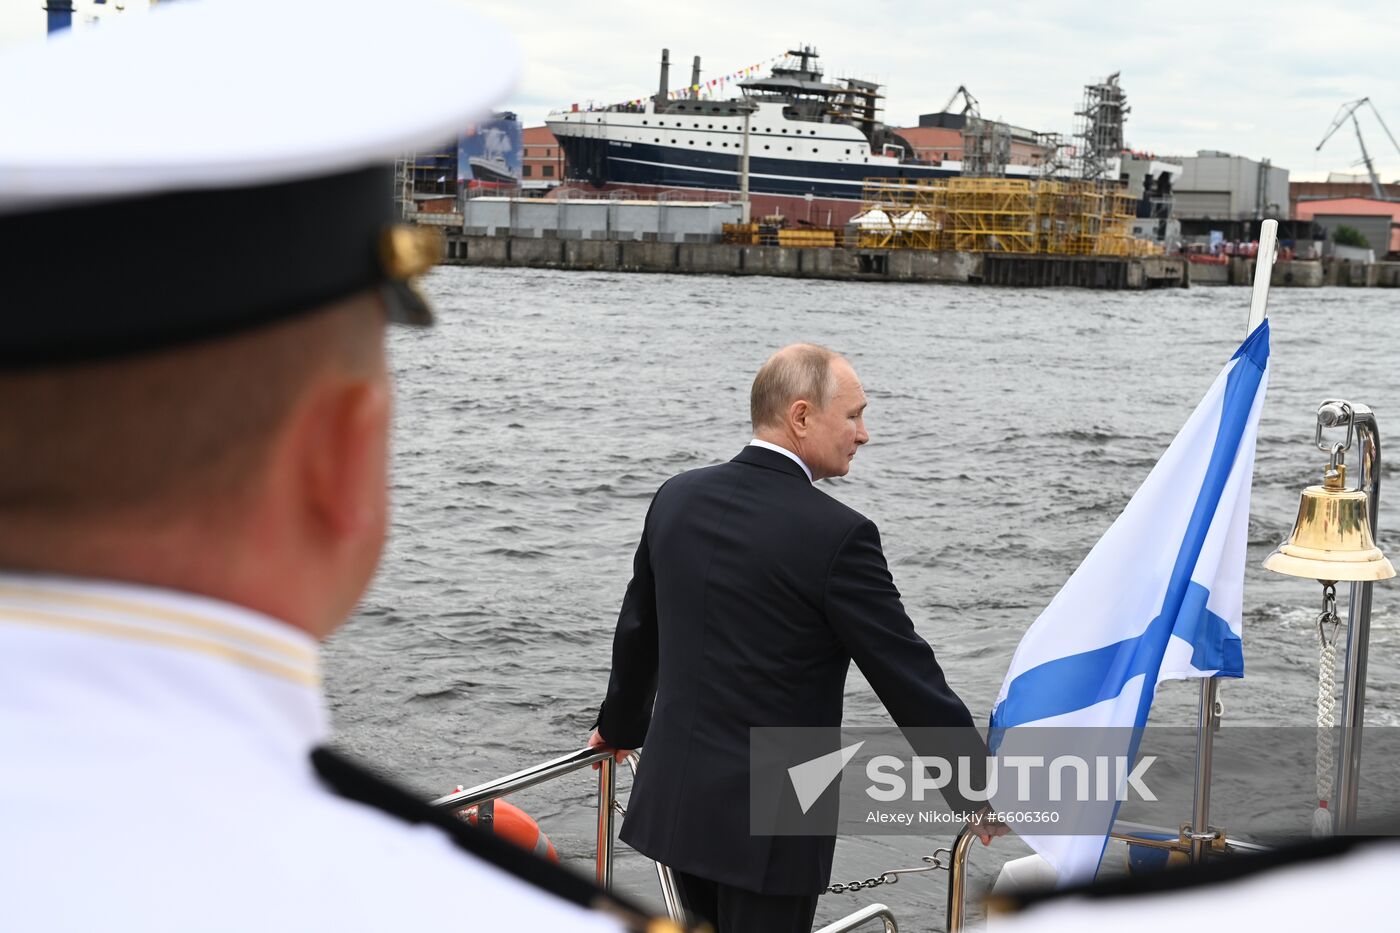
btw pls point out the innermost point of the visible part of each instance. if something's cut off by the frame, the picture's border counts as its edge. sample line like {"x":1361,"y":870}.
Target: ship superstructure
{"x":809,"y":139}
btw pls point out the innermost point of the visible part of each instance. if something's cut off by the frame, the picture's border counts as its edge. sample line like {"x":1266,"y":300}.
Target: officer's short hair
{"x":163,"y":431}
{"x":800,"y":371}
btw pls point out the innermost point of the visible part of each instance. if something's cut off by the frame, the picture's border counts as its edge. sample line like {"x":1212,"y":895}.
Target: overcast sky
{"x":1258,"y":79}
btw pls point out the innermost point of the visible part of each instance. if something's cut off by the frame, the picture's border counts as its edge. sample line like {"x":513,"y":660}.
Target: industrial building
{"x":939,"y":138}
{"x":542,"y":166}
{"x":599,"y":218}
{"x":1153,"y":180}
{"x":1223,"y":187}
{"x":1377,"y":221}
{"x":1337,"y":185}
{"x":1351,"y":201}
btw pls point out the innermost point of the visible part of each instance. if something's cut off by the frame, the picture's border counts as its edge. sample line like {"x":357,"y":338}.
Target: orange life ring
{"x":515,"y":825}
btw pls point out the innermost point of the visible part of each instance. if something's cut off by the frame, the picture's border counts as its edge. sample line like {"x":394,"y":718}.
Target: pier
{"x":844,"y":263}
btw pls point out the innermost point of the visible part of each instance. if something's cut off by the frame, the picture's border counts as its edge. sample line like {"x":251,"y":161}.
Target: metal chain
{"x":938,"y":860}
{"x":1327,"y":624}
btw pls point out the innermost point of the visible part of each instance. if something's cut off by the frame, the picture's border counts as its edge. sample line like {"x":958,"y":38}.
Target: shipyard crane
{"x":1348,"y":112}
{"x":969,"y":102}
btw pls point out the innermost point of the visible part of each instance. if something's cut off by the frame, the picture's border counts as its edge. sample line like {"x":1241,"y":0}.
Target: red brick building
{"x":945,"y":144}
{"x":1319,"y":190}
{"x":542,"y":162}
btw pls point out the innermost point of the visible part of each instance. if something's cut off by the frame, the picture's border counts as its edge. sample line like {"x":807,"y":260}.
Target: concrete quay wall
{"x":712,"y":259}
{"x":1300,"y":273}
{"x":1295,"y":273}
{"x":824,"y":263}
{"x":1364,"y":274}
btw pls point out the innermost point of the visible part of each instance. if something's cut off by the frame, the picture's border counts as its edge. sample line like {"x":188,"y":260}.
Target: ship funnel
{"x":665,"y":77}
{"x":695,"y":76}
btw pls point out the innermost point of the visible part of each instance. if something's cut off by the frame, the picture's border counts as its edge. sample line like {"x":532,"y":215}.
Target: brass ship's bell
{"x":1331,"y":538}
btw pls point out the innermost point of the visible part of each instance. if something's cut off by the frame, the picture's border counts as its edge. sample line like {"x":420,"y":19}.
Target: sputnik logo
{"x":811,"y":778}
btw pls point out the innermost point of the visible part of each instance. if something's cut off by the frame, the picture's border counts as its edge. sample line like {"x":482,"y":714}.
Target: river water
{"x":1009,"y":428}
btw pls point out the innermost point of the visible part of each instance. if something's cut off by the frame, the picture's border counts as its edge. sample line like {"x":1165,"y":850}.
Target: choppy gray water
{"x":1008,"y":429}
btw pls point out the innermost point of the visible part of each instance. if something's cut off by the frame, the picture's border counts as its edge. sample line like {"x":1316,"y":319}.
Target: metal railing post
{"x":670,"y":893}
{"x":607,"y":801}
{"x":1201,"y":835}
{"x":1358,"y":634}
{"x":957,"y":880}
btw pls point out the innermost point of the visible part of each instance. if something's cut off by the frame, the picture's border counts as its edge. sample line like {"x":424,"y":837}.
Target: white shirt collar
{"x":785,"y":452}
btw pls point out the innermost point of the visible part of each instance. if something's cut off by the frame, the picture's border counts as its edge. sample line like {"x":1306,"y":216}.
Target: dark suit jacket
{"x":752,"y":591}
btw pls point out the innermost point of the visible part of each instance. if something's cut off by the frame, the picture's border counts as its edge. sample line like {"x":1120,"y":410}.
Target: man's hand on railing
{"x":987,"y":826}
{"x":597,"y":741}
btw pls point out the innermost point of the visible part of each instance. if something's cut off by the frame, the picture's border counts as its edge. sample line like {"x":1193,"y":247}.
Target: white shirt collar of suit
{"x":785,"y":452}
{"x":190,"y":667}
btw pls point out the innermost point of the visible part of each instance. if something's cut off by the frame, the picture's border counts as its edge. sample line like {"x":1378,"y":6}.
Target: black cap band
{"x":126,"y":276}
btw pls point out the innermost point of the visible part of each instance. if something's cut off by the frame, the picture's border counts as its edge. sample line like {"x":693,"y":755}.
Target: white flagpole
{"x":1263,"y":272}
{"x":1208,"y":719}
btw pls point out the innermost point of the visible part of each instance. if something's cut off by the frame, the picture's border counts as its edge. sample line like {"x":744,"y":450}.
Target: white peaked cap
{"x":227,"y":93}
{"x":225,"y":164}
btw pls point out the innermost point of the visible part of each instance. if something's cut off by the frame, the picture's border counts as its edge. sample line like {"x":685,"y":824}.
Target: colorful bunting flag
{"x":706,"y":88}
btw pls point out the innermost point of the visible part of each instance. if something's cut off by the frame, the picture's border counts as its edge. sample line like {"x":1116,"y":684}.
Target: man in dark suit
{"x":752,"y":591}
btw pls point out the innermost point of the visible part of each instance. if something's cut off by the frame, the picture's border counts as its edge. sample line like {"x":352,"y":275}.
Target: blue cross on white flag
{"x":1158,"y":598}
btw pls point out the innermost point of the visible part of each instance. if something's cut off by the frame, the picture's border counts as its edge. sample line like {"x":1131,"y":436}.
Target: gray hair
{"x":799,"y":371}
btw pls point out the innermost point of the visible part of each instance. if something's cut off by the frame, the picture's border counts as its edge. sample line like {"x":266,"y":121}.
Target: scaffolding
{"x":1000,"y":215}
{"x":986,"y":147}
{"x":1100,"y":129}
{"x":1116,"y":237}
{"x":1053,"y":160}
{"x":403,"y":185}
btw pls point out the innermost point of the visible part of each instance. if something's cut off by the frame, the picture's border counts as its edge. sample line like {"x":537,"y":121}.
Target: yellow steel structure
{"x":990,"y":215}
{"x":814,"y":237}
{"x":1001,"y":215}
{"x":903,"y":213}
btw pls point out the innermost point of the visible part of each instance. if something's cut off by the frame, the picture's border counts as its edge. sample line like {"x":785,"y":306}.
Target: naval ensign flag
{"x":1158,"y":598}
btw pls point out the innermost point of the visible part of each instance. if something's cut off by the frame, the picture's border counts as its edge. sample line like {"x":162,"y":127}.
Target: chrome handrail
{"x":670,"y":892}
{"x":862,"y":917}
{"x":957,"y":880}
{"x":521,"y":780}
{"x":484,"y":794}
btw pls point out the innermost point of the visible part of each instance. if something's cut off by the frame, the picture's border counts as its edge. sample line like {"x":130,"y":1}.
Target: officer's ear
{"x":343,"y":451}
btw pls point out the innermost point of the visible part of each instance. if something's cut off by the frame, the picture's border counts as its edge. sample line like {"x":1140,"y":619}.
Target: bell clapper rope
{"x":1328,"y":623}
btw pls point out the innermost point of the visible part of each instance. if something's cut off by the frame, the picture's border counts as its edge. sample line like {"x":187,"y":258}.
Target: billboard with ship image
{"x":489,"y":154}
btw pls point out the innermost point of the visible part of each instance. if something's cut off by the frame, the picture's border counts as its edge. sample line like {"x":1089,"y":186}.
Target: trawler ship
{"x":812,"y":143}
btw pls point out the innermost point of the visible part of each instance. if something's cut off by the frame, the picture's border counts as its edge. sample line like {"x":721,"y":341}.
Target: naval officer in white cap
{"x":197,"y":262}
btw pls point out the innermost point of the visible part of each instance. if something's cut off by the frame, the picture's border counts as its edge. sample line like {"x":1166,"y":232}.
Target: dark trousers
{"x":734,"y":910}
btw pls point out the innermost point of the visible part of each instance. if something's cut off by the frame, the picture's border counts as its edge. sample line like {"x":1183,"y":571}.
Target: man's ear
{"x":799,"y":413}
{"x":343,"y":450}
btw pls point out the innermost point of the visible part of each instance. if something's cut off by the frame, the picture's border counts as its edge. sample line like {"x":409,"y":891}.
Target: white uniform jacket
{"x":154,"y":776}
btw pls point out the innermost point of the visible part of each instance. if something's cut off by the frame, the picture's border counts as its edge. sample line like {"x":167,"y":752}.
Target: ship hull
{"x":602,"y":161}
